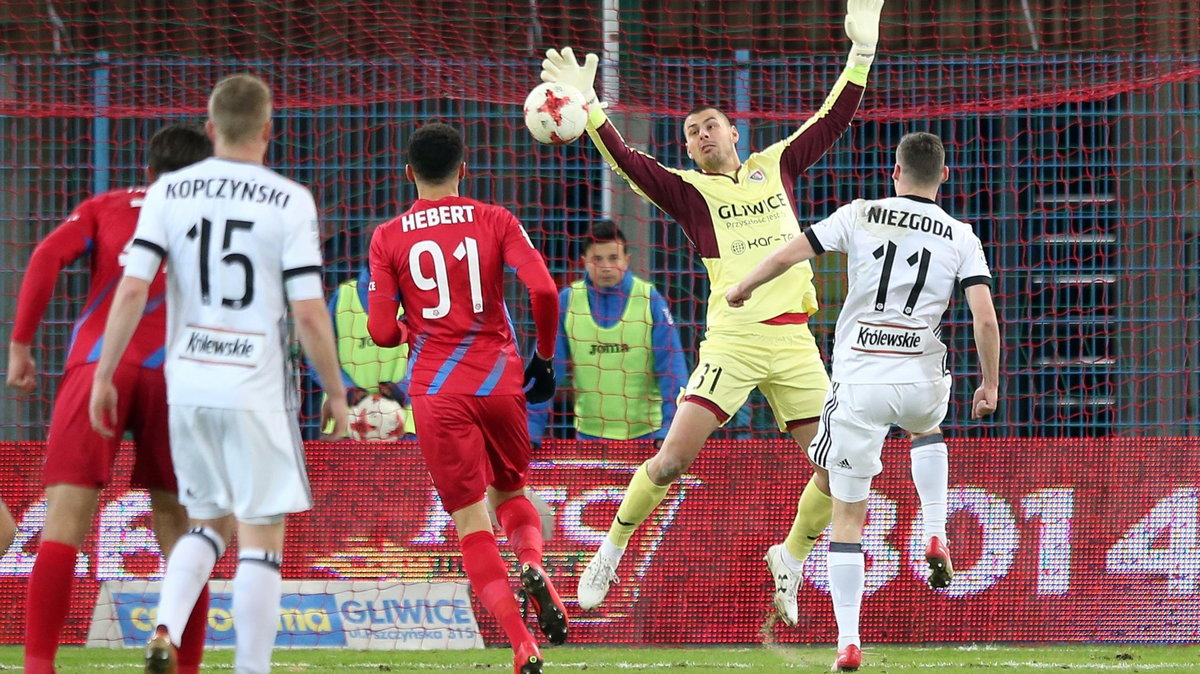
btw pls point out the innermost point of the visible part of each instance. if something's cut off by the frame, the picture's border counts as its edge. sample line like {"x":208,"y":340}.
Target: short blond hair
{"x":239,"y":106}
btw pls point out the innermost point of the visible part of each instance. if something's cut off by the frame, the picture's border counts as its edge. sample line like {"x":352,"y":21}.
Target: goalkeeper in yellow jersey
{"x":734,"y":214}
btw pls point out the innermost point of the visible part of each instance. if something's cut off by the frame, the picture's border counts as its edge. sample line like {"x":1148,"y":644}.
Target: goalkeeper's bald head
{"x":922,"y":158}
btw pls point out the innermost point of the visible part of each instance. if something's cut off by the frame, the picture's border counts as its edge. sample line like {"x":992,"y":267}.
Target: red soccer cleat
{"x":849,"y":659}
{"x":941,"y":570}
{"x":528,"y":659}
{"x":551,"y":614}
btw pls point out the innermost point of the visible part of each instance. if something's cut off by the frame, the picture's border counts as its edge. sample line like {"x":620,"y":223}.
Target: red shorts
{"x":78,"y":455}
{"x":471,"y":442}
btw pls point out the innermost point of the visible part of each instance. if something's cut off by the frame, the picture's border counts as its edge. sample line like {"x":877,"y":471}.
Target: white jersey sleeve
{"x":149,"y":246}
{"x":835,"y":232}
{"x":301,"y":255}
{"x":974,"y":269}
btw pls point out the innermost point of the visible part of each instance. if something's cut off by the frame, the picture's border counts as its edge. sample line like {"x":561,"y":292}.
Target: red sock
{"x":523,"y":525}
{"x":191,"y":648}
{"x":485,"y":569}
{"x":47,"y":604}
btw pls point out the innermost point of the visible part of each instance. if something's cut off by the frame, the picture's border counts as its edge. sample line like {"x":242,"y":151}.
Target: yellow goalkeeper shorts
{"x":781,"y":360}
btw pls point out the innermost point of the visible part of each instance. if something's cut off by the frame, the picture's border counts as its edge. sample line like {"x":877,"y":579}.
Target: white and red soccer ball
{"x":377,"y":419}
{"x":555,"y":113}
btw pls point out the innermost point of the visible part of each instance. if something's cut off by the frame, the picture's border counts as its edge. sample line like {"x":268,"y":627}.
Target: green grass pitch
{"x":878,"y":659}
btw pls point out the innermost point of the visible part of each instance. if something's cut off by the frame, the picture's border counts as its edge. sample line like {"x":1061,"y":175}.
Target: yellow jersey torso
{"x":734,"y":221}
{"x":751,"y":214}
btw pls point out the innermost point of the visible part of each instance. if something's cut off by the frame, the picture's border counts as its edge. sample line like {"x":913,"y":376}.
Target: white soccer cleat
{"x":600,"y":574}
{"x":787,"y":585}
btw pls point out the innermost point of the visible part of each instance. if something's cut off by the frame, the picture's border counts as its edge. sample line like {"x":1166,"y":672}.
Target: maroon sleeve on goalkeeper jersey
{"x":665,"y":189}
{"x":804,"y":149}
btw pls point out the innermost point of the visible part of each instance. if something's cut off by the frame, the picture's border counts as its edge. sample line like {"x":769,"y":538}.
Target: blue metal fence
{"x":1075,"y":236}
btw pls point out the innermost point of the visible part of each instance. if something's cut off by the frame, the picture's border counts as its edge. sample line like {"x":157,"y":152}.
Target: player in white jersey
{"x":905,"y":257}
{"x":242,"y":245}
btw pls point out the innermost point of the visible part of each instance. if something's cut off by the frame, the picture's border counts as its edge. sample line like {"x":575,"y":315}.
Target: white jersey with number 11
{"x":905,"y":257}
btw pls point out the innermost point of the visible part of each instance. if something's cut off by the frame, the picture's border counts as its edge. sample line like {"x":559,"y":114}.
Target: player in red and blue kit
{"x":78,"y":460}
{"x":444,"y":260}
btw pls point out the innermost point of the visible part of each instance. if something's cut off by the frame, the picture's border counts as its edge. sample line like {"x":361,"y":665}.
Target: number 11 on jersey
{"x":921,"y":261}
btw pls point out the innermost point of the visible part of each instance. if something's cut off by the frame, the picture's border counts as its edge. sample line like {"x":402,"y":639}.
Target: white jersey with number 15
{"x":233,"y":234}
{"x":905,"y":258}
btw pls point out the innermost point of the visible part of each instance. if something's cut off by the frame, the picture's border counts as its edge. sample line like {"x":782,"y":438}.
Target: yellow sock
{"x":641,"y":498}
{"x":813,"y":513}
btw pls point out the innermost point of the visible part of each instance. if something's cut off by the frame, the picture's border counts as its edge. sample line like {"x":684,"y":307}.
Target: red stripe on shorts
{"x":708,"y":405}
{"x":801,"y":422}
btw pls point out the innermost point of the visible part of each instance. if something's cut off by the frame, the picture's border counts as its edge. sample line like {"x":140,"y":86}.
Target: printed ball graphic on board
{"x":556,"y":114}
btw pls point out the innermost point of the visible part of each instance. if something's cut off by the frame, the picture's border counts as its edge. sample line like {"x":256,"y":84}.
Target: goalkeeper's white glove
{"x":862,"y":27}
{"x":561,"y":67}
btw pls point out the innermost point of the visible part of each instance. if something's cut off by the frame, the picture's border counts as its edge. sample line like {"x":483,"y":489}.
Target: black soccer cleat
{"x":527,"y":659}
{"x":551,"y":614}
{"x":941,"y":569}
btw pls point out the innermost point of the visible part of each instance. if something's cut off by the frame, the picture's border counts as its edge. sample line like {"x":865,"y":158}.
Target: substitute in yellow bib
{"x":734,"y":213}
{"x":622,"y":347}
{"x":367,"y":369}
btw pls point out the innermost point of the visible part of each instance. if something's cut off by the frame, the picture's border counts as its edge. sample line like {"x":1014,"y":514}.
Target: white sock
{"x":847,"y":572}
{"x":792,"y":563}
{"x":188,"y":568}
{"x":257,"y":589}
{"x":611,"y":551}
{"x":931,"y":475}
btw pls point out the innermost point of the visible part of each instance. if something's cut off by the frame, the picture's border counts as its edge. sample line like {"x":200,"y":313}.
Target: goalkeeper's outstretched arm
{"x":648,"y":178}
{"x":862,"y":27}
{"x":813,"y":139}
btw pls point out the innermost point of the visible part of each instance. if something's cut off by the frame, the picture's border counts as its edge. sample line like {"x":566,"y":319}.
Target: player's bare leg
{"x":931,"y":476}
{"x":257,"y":590}
{"x":170,"y":519}
{"x":692,"y":426}
{"x":522,"y":523}
{"x":785,"y":561}
{"x":8,"y":528}
{"x":170,"y":523}
{"x":69,"y":513}
{"x":189,"y":566}
{"x":489,"y":580}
